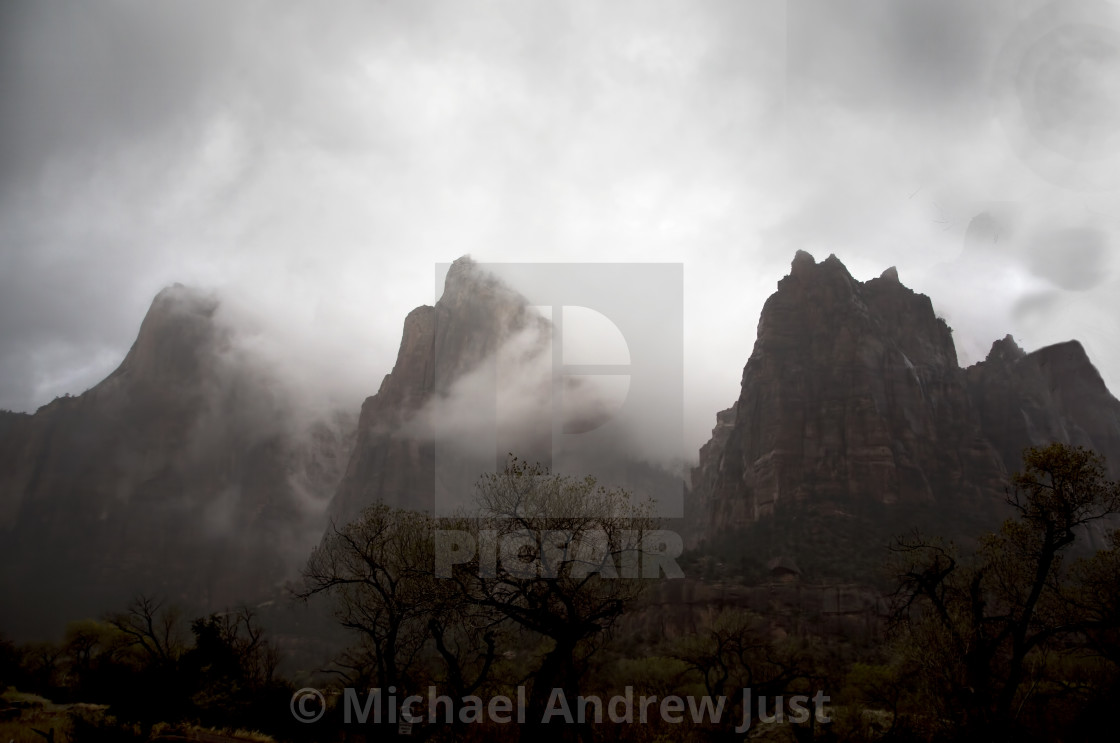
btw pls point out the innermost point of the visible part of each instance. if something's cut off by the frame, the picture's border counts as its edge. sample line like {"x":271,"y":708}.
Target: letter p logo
{"x":590,"y":382}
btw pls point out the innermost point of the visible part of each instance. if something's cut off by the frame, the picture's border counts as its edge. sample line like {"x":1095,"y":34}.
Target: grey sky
{"x":315,"y":161}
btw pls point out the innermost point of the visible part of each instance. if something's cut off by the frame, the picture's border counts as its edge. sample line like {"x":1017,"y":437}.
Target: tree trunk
{"x":558,"y":671}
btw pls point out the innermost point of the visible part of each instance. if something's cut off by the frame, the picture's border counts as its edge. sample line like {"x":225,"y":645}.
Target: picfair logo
{"x":589,"y":383}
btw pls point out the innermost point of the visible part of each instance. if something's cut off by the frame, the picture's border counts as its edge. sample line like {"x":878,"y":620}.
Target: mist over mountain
{"x":473,"y":384}
{"x":393,"y":460}
{"x":189,"y":472}
{"x":200,"y":471}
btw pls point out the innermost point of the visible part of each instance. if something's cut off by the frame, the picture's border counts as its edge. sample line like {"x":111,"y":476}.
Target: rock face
{"x":191,"y":474}
{"x":853,"y":394}
{"x":181,"y":474}
{"x":393,"y":460}
{"x":477,"y":368}
{"x":1052,"y":394}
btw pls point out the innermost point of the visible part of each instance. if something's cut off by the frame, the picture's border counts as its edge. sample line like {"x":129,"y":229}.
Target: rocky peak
{"x":853,"y":398}
{"x":475,"y":315}
{"x":822,"y":301}
{"x":830,"y":275}
{"x":1005,"y":351}
{"x":175,"y":475}
{"x":852,"y":392}
{"x":802,"y":262}
{"x":466,"y":279}
{"x":393,"y":459}
{"x":1052,"y":394}
{"x":890,"y":275}
{"x":176,"y":341}
{"x":1067,"y":365}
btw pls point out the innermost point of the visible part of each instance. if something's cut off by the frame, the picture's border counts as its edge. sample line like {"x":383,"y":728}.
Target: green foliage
{"x":656,"y":674}
{"x":997,"y":637}
{"x":990,"y":635}
{"x":845,"y":540}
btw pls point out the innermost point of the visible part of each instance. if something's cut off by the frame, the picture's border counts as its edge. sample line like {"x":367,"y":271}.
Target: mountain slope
{"x":854,"y":414}
{"x":393,"y":460}
{"x":184,"y":473}
{"x":475,"y":373}
{"x":1052,"y":394}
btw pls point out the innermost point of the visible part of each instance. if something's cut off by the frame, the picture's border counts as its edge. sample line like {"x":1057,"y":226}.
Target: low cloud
{"x":313,"y":166}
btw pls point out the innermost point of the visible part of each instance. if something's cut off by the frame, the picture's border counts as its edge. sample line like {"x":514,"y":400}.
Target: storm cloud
{"x":311,"y":164}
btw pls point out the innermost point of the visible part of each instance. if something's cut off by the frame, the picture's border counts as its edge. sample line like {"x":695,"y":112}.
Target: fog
{"x":312,"y":165}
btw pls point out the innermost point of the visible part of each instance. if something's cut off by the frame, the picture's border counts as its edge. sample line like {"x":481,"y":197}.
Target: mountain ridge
{"x":853,"y":391}
{"x":184,"y":473}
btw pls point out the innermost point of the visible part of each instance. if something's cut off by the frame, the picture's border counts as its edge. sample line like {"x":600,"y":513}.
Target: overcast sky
{"x":317,"y":160}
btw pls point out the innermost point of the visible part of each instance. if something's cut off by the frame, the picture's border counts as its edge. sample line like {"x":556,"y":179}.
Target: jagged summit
{"x":474,"y":316}
{"x":845,"y":394}
{"x":175,"y":476}
{"x":470,"y":289}
{"x":804,"y":264}
{"x":802,"y":261}
{"x":1005,"y":350}
{"x":463,"y":268}
{"x":853,"y":393}
{"x":1052,"y":394}
{"x":822,"y":302}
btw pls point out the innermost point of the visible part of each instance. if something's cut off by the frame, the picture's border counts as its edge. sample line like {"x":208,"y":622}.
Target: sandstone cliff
{"x":393,"y":460}
{"x":853,"y":398}
{"x":1053,"y":394}
{"x":475,"y":373}
{"x":189,"y":473}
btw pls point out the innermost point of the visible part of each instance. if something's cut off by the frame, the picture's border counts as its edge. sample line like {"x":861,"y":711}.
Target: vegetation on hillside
{"x":1009,"y":635}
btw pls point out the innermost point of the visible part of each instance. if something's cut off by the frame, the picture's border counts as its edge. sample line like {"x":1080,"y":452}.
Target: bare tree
{"x":236,"y":641}
{"x":150,"y":625}
{"x":732,"y":650}
{"x":379,"y":569}
{"x":555,"y":557}
{"x":559,"y":557}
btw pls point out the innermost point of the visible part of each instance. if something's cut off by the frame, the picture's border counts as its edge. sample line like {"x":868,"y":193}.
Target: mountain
{"x":191,"y":472}
{"x":1052,"y":394}
{"x":474,"y":382}
{"x":855,"y":420}
{"x":394,"y":457}
{"x":186,"y":473}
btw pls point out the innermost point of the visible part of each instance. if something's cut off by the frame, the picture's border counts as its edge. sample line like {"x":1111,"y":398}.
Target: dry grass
{"x":38,"y":714}
{"x":255,"y":736}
